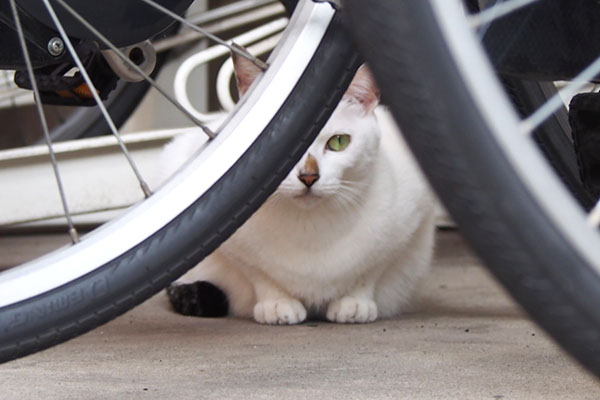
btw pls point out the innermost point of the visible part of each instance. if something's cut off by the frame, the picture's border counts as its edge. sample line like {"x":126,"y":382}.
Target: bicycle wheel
{"x":127,"y":260}
{"x":484,"y":163}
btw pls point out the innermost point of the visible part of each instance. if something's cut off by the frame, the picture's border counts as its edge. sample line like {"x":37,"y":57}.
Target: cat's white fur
{"x":351,"y":248}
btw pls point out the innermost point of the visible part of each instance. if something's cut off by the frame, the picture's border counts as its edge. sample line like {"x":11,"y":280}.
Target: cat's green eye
{"x":338,"y":142}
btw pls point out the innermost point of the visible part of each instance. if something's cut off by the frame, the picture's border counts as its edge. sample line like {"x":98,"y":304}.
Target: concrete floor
{"x":465,"y":340}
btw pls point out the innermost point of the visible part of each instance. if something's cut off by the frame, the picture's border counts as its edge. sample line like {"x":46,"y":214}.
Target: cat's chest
{"x":296,"y":244}
{"x":315,"y":247}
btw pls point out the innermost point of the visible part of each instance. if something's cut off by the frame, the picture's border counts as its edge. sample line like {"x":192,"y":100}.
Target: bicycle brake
{"x":63,"y":84}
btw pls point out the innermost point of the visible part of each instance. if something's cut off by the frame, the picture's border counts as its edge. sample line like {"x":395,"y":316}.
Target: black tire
{"x":110,"y":290}
{"x":520,"y":241}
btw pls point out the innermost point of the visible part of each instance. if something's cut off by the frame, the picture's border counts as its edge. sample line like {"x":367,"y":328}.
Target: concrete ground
{"x":465,"y":340}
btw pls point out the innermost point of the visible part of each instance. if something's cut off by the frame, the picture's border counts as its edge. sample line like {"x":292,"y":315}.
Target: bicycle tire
{"x":56,"y":315}
{"x":548,"y":266}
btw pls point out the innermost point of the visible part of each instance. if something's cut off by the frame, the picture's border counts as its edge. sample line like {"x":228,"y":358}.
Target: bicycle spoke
{"x":576,"y":85}
{"x":267,"y":10}
{"x":135,"y":67}
{"x":258,"y":62}
{"x":229,"y":9}
{"x":499,"y":10}
{"x":572,"y":88}
{"x":211,"y":53}
{"x":94,"y":92}
{"x":72,"y":230}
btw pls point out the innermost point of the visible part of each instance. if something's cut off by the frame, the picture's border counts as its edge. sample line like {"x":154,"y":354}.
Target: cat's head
{"x":338,"y":165}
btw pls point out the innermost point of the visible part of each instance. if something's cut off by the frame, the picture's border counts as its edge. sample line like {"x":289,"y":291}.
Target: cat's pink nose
{"x":308,"y":179}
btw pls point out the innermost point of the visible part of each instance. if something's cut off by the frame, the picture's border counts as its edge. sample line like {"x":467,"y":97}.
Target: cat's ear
{"x":363,"y":90}
{"x":245,"y":71}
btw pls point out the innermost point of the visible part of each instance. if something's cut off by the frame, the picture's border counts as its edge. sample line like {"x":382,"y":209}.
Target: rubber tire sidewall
{"x":473,"y":178}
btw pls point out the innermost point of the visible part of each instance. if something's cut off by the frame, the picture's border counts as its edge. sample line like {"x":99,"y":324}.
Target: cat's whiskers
{"x":349,"y":200}
{"x":340,"y":195}
{"x":344,"y":196}
{"x":347,"y":182}
{"x":355,"y":187}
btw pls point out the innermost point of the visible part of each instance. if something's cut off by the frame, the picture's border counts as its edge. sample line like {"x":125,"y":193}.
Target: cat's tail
{"x":200,"y":299}
{"x":212,"y":289}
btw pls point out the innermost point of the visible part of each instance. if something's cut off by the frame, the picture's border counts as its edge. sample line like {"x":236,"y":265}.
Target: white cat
{"x":346,"y":236}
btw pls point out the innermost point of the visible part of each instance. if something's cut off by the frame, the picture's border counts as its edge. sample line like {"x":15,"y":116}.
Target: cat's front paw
{"x":279,"y":312}
{"x":352,"y":310}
